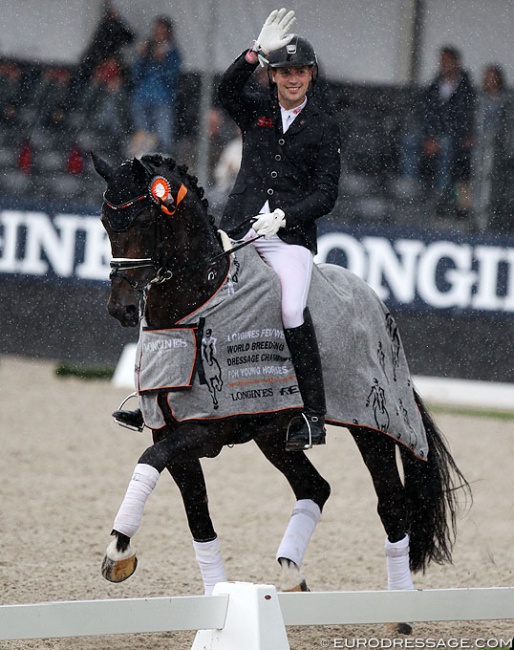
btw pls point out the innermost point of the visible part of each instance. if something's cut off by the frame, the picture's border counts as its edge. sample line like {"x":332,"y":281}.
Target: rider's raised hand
{"x":269,"y":223}
{"x":274,"y":32}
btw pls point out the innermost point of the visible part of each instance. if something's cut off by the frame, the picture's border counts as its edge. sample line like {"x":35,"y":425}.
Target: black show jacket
{"x":297,"y":171}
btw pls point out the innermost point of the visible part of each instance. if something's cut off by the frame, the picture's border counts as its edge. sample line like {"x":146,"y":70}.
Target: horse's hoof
{"x":302,"y":586}
{"x":400,"y":628}
{"x":117,"y":566}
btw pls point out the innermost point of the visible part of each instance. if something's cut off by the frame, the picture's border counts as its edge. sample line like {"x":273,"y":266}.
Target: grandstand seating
{"x":45,"y":143}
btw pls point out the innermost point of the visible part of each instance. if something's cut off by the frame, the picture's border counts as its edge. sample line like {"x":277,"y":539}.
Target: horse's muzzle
{"x":127,"y":315}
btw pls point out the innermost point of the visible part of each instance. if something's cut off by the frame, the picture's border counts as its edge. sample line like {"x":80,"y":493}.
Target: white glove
{"x":269,"y":223}
{"x":274,"y":34}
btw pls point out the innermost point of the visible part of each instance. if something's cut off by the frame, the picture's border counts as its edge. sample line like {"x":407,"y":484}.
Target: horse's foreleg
{"x":311,"y":491}
{"x":190,"y":480}
{"x":185,"y":443}
{"x":120,"y":560}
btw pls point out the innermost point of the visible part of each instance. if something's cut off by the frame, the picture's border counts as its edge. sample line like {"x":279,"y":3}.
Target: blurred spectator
{"x":106,"y":100}
{"x":225,"y":173}
{"x":155,"y":77}
{"x":25,"y":157}
{"x":445,"y":137}
{"x":50,"y":98}
{"x":110,"y":36}
{"x":229,"y":162}
{"x":490,"y":156}
{"x":220,"y":131}
{"x":11,"y":80}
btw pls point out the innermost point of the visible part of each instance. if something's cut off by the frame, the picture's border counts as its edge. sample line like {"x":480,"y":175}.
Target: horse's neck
{"x":190,"y":285}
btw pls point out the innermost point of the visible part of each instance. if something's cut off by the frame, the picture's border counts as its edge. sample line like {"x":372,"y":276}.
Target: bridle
{"x":164,"y":271}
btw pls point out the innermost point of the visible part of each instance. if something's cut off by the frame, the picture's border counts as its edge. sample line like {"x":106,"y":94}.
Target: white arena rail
{"x":241,"y":614}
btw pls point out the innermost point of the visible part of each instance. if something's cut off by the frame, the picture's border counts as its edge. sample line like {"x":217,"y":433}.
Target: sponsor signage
{"x":35,"y":244}
{"x":428,"y":270}
{"x":414,"y":270}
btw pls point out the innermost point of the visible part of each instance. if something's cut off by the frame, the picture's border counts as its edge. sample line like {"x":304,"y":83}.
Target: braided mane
{"x":158,"y":160}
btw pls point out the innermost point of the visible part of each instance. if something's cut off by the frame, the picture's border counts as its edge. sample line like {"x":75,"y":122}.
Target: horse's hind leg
{"x":190,"y":480}
{"x":379,"y":454}
{"x":311,"y":491}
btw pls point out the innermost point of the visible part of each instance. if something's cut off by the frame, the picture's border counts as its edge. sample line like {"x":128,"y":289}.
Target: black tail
{"x":432,"y":490}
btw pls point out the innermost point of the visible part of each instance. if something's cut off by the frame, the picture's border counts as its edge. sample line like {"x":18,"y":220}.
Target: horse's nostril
{"x":127,"y":315}
{"x":132,"y":314}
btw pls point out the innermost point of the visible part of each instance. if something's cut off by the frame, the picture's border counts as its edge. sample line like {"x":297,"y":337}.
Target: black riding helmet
{"x":298,"y":53}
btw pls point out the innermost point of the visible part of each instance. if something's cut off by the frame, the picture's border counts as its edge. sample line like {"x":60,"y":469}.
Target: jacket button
{"x":278,"y":157}
{"x":270,"y":191}
{"x":281,"y":141}
{"x":273,"y":174}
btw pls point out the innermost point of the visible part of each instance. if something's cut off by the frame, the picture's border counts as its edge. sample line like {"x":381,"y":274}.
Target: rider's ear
{"x":102,"y":167}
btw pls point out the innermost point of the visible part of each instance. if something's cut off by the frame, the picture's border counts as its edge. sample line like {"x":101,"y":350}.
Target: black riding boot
{"x":129,"y":419}
{"x":308,"y":428}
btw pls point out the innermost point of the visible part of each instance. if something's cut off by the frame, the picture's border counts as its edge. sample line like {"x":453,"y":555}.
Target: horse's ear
{"x":102,"y":167}
{"x":141,"y":169}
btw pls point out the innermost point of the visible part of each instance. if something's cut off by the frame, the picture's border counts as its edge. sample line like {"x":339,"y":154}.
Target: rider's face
{"x":292,"y":85}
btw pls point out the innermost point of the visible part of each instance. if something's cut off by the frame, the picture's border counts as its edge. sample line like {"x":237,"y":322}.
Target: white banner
{"x":433,"y":271}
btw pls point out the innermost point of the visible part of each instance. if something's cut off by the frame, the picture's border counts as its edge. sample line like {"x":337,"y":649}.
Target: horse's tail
{"x":432,"y":490}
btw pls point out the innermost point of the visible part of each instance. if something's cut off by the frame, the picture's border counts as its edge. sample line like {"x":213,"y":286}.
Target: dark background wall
{"x":60,"y":320}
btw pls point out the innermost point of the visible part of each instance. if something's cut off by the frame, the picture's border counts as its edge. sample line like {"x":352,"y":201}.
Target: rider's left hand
{"x":274,"y":33}
{"x":269,"y":223}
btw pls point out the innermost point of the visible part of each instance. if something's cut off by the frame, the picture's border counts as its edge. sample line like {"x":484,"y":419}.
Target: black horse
{"x":169,"y":261}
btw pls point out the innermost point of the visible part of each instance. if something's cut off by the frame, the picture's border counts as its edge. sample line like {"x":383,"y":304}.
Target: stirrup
{"x":305,"y":437}
{"x":129,"y":419}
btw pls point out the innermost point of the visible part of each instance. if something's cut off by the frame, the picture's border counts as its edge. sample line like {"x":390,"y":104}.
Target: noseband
{"x":120,"y":264}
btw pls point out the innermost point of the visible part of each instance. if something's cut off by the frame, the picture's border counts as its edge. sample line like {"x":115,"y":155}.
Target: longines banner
{"x":414,"y":270}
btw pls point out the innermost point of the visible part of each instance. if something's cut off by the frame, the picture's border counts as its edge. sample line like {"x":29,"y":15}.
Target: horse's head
{"x":158,"y":229}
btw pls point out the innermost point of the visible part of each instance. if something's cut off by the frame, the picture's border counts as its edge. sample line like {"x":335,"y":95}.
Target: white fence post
{"x":254,"y":620}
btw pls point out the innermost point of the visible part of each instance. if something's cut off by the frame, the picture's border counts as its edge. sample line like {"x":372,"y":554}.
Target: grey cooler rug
{"x":230,"y":356}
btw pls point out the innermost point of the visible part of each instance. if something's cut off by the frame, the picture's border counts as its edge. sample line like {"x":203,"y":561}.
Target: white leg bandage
{"x":397,"y":559}
{"x":130,"y":514}
{"x":303,"y":521}
{"x":209,"y":560}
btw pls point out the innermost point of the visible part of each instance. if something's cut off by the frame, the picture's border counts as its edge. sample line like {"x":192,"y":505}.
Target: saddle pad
{"x":244,"y":363}
{"x":166,"y":359}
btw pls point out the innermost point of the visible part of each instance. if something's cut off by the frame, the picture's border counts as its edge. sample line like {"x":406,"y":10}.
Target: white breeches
{"x":293,"y":265}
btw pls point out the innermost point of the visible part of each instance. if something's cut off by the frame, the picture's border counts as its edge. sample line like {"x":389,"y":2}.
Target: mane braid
{"x":191,"y":181}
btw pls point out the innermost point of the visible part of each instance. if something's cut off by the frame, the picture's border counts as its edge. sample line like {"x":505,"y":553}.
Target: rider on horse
{"x":289,"y":175}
